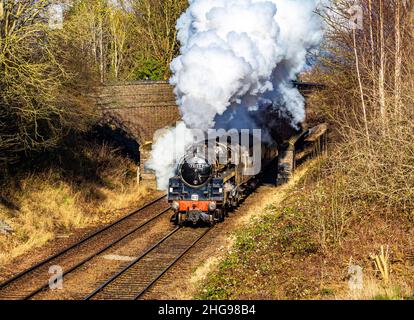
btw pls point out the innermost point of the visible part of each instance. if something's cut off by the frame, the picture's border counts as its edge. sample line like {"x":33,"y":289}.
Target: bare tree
{"x":369,"y":74}
{"x":34,"y":109}
{"x":156,"y":30}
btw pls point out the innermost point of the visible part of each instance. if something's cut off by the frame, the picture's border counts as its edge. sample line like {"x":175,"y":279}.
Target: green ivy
{"x":149,"y":69}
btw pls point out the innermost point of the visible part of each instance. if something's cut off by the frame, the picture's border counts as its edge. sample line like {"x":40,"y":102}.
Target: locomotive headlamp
{"x":175,"y":205}
{"x":212,"y":206}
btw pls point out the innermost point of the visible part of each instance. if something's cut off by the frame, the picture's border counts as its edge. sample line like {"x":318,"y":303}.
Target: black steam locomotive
{"x":213,"y":178}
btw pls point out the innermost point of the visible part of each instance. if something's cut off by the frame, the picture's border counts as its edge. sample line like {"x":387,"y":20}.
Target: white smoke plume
{"x":237,"y":56}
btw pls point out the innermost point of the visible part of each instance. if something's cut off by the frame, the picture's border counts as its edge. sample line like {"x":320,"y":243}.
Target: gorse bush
{"x":149,"y":69}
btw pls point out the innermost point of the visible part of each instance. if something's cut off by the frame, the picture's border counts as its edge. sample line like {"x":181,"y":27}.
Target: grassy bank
{"x":312,"y":244}
{"x":43,"y":204}
{"x":345,"y":232}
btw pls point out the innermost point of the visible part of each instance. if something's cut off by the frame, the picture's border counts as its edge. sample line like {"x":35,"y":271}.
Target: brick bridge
{"x":141,"y":108}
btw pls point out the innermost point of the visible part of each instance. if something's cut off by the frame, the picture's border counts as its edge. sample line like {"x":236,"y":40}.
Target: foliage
{"x":45,"y":72}
{"x":103,"y":35}
{"x":368,"y":73}
{"x":149,"y":69}
{"x":124,"y":40}
{"x":156,"y":34}
{"x":36,"y":106}
{"x":261,"y":252}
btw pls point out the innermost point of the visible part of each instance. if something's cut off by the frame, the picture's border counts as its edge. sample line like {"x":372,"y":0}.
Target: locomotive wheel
{"x":180,"y":219}
{"x":219,"y":215}
{"x":212,"y":221}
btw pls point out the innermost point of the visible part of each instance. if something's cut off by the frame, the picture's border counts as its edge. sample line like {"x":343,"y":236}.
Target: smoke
{"x":237,"y":61}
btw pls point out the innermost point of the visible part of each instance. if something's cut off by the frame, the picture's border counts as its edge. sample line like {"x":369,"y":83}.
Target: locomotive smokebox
{"x":195,"y":171}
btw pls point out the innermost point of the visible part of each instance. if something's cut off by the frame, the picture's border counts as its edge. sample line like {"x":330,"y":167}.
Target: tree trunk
{"x":398,"y":57}
{"x":381,"y":80}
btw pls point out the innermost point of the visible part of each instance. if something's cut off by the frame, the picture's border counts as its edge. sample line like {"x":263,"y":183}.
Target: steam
{"x":238,"y":58}
{"x":169,"y":148}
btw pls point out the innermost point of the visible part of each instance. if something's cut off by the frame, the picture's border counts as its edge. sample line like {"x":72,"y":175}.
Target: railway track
{"x":138,"y":277}
{"x":29,"y":283}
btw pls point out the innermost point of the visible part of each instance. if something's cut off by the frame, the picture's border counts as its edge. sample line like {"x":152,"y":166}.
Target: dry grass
{"x":378,"y":284}
{"x":45,"y":205}
{"x":375,"y":290}
{"x":43,"y":209}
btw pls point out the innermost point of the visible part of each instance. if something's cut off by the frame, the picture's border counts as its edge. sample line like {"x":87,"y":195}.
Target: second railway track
{"x":137,"y":278}
{"x":34,"y":280}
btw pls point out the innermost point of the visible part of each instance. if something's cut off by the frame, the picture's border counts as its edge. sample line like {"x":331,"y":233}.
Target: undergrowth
{"x":91,"y":187}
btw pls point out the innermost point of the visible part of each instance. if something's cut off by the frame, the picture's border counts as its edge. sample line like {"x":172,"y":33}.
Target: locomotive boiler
{"x":214,"y":177}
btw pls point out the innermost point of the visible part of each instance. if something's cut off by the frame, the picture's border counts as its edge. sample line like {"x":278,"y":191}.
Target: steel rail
{"x":131,"y":264}
{"x":77,"y":244}
{"x":153,"y":282}
{"x":81,"y":263}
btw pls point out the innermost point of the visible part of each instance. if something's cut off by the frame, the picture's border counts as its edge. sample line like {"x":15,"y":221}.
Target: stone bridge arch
{"x":140,"y":109}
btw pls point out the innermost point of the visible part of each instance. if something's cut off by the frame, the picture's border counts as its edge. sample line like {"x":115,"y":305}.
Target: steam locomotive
{"x":213,"y":178}
{"x":206,"y":188}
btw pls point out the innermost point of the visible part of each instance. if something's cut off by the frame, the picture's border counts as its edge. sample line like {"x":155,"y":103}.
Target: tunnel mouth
{"x":124,"y":144}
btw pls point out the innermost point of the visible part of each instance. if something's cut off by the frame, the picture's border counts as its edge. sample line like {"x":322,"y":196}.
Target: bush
{"x":369,"y":103}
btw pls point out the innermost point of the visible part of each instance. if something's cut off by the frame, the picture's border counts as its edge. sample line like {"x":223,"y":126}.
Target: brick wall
{"x":141,"y":108}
